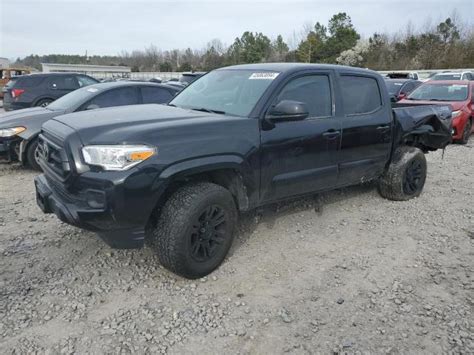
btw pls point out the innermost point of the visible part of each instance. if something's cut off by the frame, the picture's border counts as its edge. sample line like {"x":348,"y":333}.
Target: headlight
{"x":10,"y":132}
{"x":455,"y":114}
{"x":116,"y":157}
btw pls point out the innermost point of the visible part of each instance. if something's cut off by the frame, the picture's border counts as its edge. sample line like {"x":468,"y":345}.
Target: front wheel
{"x":32,"y":155}
{"x":405,"y":176}
{"x":466,"y":132}
{"x":195,"y":229}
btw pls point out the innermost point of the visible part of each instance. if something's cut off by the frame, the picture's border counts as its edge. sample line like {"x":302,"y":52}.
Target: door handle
{"x":331,"y":134}
{"x":383,"y":128}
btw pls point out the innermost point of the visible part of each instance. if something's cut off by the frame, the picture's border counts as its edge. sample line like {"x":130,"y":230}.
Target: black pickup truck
{"x":176,"y":176}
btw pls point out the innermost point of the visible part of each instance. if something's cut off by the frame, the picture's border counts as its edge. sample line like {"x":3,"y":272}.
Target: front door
{"x":298,"y":157}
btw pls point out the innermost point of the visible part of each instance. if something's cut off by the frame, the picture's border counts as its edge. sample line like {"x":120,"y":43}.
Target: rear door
{"x":366,"y":128}
{"x":298,"y":157}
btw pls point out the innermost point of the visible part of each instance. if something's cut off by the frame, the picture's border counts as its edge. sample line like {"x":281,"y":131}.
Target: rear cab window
{"x":360,"y":94}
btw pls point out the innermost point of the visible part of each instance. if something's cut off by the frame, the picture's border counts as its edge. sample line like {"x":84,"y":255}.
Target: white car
{"x":454,"y":76}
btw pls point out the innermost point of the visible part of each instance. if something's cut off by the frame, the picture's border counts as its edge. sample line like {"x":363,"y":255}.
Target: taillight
{"x":17,"y":92}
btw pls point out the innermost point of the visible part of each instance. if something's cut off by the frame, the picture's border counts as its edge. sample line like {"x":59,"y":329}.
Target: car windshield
{"x":440,"y":92}
{"x":393,"y":86}
{"x":447,"y":77}
{"x":234,"y":92}
{"x":74,"y":98}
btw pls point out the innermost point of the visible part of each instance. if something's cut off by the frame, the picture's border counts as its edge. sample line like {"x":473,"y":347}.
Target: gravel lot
{"x":343,"y":272}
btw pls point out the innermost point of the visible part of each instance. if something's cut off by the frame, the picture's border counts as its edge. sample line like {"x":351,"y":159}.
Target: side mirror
{"x":92,"y":107}
{"x":288,"y":110}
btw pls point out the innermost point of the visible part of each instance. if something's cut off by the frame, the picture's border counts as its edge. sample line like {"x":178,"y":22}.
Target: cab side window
{"x":360,"y":94}
{"x":313,"y":90}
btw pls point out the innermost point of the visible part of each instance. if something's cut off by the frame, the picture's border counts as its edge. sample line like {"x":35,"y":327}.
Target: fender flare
{"x":203,"y":164}
{"x":200,"y":165}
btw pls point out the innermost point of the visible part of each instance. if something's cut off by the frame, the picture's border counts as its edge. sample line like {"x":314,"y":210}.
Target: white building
{"x":4,"y":63}
{"x":96,"y":71}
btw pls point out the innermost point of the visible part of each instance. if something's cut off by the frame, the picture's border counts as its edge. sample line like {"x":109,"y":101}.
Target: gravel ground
{"x":342,"y":272}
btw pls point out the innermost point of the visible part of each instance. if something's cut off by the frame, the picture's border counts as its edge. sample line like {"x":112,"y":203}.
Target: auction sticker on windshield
{"x":263,"y":76}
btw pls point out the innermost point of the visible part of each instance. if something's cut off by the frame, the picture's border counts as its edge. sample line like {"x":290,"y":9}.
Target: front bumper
{"x":459,"y":124}
{"x":9,"y":149}
{"x":91,"y":210}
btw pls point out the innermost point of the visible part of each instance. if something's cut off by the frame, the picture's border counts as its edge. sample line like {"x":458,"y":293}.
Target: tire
{"x":184,"y":237}
{"x":43,"y":102}
{"x":405,"y":176}
{"x":32,"y":156}
{"x":466,"y":133}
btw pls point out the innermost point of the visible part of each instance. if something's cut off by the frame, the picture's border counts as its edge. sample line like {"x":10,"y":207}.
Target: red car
{"x":459,"y":94}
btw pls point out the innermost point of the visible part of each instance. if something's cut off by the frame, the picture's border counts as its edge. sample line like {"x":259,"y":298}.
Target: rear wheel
{"x":43,"y":102}
{"x":466,"y":132}
{"x":195,"y":229}
{"x":405,"y":176}
{"x":32,"y":155}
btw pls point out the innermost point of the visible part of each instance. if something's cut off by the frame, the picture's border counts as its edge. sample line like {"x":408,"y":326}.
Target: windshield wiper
{"x":202,"y":109}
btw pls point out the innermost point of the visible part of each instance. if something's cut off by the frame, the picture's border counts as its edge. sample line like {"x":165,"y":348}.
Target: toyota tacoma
{"x":175,"y":177}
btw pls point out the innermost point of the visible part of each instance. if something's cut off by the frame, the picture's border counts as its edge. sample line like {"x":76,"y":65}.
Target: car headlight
{"x":455,"y":114}
{"x":117,"y":157}
{"x":10,"y":132}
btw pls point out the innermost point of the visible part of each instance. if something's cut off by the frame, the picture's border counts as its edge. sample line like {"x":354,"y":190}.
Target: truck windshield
{"x":440,"y":92}
{"x":233,"y":92}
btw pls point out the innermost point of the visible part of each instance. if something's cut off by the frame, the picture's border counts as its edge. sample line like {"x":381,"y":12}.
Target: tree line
{"x":448,"y":44}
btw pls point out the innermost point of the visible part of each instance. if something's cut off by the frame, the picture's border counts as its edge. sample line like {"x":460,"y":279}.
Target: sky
{"x":108,"y":27}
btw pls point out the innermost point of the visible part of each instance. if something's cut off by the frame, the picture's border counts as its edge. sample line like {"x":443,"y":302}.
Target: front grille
{"x":53,"y":156}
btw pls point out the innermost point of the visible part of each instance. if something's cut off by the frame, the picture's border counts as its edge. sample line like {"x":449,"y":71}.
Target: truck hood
{"x":129,"y":124}
{"x":25,"y":116}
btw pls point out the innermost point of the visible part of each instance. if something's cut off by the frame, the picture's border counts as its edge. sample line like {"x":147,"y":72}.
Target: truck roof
{"x":291,"y":67}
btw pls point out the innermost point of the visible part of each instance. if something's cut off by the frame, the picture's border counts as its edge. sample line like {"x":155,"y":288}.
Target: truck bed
{"x":427,"y":127}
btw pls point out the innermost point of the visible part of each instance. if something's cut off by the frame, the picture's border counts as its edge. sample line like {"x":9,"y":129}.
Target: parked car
{"x":41,"y":89}
{"x":188,"y":78}
{"x":19,"y":130}
{"x":235,"y":139}
{"x":7,"y":73}
{"x":453,"y":76}
{"x":398,"y":89}
{"x":458,"y":94}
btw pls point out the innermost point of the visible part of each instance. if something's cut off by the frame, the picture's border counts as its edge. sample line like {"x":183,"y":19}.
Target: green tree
{"x":280,"y":49}
{"x":343,"y":36}
{"x":250,"y":48}
{"x":448,"y":31}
